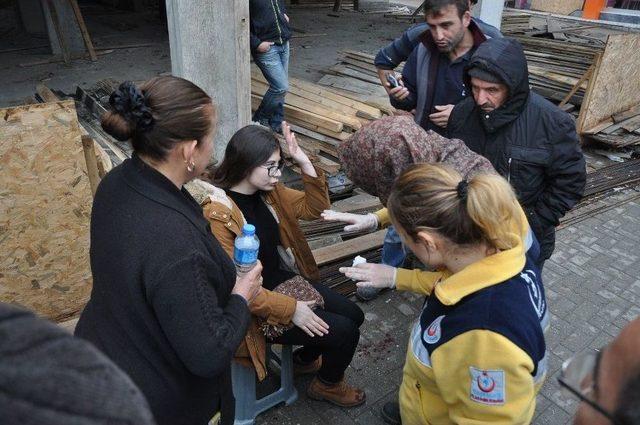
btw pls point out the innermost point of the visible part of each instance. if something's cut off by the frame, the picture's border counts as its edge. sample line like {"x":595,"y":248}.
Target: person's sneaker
{"x":340,"y":394}
{"x":367,"y":293}
{"x":391,"y":413}
{"x":301,"y":368}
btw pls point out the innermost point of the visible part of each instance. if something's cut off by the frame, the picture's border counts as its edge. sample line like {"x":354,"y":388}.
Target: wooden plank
{"x":317,"y":93}
{"x":561,"y":7}
{"x":349,"y":72}
{"x":83,"y":30}
{"x":298,"y":115}
{"x":577,"y":86}
{"x":633,"y":111}
{"x":292,"y":99}
{"x":44,"y":210}
{"x":45,"y":93}
{"x":599,"y":127}
{"x":631,"y":124}
{"x":317,"y":136}
{"x":349,"y":248}
{"x":314,"y":119}
{"x":327,"y":165}
{"x":615,"y":86}
{"x":91,"y":163}
{"x":363,"y":110}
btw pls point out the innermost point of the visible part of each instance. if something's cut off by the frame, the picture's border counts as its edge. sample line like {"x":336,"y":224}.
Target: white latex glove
{"x":357,"y":222}
{"x":308,"y":321}
{"x":371,"y":275}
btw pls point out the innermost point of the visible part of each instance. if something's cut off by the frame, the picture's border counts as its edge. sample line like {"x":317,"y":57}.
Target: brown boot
{"x":300,"y":368}
{"x":340,"y":394}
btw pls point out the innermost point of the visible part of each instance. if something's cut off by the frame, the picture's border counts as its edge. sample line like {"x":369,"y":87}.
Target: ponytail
{"x":435,"y":197}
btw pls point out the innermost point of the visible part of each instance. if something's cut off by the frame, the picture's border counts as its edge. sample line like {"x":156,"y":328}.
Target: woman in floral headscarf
{"x":376,"y":155}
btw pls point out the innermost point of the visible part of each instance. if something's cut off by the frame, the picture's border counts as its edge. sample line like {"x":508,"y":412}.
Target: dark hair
{"x":249,"y":147}
{"x":433,"y":7}
{"x":435,"y":197}
{"x":628,"y":409}
{"x":160,"y":113}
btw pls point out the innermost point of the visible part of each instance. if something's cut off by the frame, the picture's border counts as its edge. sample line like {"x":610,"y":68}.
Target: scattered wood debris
{"x":321,"y":118}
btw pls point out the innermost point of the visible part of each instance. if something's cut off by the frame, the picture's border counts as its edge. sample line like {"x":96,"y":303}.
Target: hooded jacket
{"x":529,"y":141}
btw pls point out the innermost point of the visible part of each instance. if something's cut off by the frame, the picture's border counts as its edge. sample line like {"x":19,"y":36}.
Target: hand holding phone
{"x":392,"y":80}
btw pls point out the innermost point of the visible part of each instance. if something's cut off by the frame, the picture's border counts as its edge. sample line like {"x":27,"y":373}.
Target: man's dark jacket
{"x":267,"y":22}
{"x":420,"y":72}
{"x":529,"y":141}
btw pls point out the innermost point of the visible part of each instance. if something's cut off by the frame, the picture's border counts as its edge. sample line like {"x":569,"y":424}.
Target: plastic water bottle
{"x":245,"y":249}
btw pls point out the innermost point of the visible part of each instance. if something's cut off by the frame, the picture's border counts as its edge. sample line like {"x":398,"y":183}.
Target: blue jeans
{"x":393,"y":253}
{"x":274,"y":65}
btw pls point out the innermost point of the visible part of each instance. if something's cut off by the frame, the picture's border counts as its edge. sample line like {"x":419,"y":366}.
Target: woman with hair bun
{"x":477,"y":353}
{"x":166,"y":305}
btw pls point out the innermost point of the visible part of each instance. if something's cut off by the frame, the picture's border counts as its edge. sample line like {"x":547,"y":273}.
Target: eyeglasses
{"x":578,"y":378}
{"x":272,"y":169}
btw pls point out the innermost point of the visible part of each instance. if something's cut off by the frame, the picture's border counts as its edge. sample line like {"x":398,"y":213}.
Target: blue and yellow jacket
{"x":477,"y":353}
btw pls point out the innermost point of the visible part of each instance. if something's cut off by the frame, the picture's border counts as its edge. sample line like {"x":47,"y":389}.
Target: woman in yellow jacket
{"x":249,"y":191}
{"x":477,"y":353}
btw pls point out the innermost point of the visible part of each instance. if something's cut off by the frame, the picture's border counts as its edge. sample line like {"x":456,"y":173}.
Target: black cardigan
{"x":161,"y":306}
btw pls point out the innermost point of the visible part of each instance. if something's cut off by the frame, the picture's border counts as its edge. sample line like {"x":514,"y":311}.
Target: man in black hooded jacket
{"x":529,"y":141}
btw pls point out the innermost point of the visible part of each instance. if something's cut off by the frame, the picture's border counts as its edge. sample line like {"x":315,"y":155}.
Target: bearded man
{"x":432,"y":80}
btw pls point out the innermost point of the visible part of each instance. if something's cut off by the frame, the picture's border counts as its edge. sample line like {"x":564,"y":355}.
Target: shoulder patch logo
{"x":535,"y":294}
{"x":434,"y":331}
{"x":487,"y":386}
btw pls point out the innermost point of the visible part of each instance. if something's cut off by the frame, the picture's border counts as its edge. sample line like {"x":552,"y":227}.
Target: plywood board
{"x":561,"y":7}
{"x":45,"y":205}
{"x":615,"y":85}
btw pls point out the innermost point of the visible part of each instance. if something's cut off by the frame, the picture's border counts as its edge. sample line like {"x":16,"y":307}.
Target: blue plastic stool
{"x":244,"y":387}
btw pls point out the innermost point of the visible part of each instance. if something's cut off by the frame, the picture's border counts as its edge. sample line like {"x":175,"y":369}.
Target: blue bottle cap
{"x":249,"y":229}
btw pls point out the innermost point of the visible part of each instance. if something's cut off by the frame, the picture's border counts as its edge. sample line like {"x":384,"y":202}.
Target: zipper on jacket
{"x":276,"y":11}
{"x":509,"y":172}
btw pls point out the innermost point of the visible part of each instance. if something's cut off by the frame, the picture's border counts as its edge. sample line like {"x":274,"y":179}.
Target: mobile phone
{"x":393,"y":81}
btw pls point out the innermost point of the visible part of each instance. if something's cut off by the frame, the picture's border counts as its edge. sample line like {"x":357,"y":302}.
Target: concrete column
{"x":209,"y":42}
{"x":70,"y":31}
{"x":490,"y":11}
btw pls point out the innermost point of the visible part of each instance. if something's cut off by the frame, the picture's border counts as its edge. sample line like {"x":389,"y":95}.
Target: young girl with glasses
{"x":327,"y":328}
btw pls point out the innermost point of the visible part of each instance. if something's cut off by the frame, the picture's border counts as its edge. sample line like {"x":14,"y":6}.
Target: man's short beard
{"x":454,"y":43}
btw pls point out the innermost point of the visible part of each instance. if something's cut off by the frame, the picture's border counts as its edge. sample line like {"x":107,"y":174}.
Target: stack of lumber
{"x":557,"y":66}
{"x":321,"y":4}
{"x":514,"y":22}
{"x":621,"y":130}
{"x":337,"y":248}
{"x":602,"y":188}
{"x":321,"y":118}
{"x":356,"y":77}
{"x":560,"y":60}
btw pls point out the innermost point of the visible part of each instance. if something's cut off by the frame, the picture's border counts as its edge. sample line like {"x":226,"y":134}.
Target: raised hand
{"x":297,"y":154}
{"x":356,"y":222}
